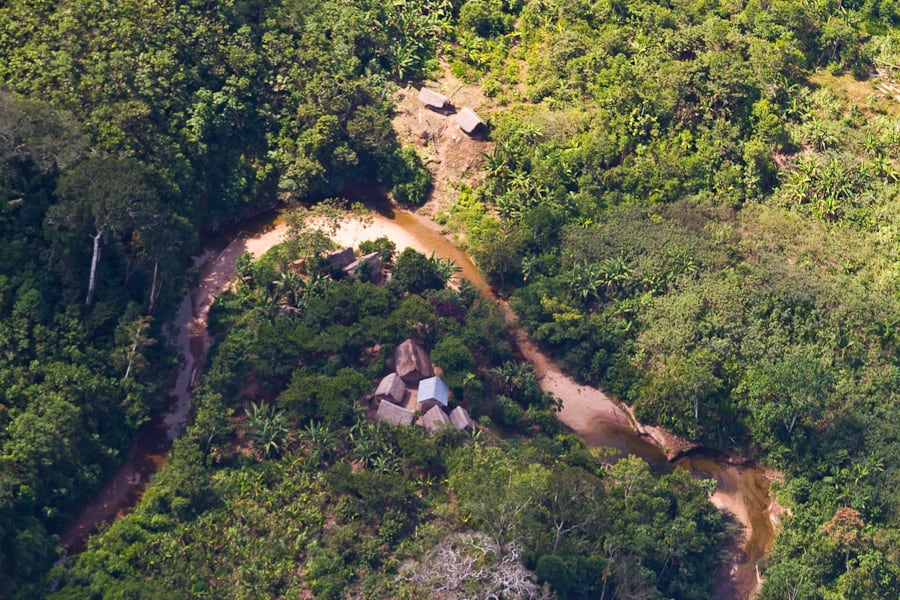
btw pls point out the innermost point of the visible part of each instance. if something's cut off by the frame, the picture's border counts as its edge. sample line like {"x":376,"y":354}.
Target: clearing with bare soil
{"x":452,"y":157}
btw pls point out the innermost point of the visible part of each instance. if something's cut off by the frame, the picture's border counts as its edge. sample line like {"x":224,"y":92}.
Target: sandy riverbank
{"x":586,"y":410}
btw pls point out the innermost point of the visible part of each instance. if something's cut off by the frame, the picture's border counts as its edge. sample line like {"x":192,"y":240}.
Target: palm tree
{"x":513,"y":378}
{"x":444,"y":268}
{"x":585,"y":280}
{"x":320,"y":439}
{"x":615,"y":273}
{"x":268,"y":428}
{"x":288,"y":289}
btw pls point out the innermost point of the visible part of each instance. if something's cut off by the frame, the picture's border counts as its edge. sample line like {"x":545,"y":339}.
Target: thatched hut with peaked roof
{"x":460,"y":419}
{"x":411,"y":362}
{"x":341,"y":258}
{"x":435,"y":419}
{"x":435,"y":100}
{"x":433,"y":392}
{"x":469,"y":122}
{"x":393,"y":414}
{"x":369,"y":262}
{"x":391,"y":389}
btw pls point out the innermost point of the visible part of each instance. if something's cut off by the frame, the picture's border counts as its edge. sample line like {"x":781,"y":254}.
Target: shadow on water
{"x":622,"y":442}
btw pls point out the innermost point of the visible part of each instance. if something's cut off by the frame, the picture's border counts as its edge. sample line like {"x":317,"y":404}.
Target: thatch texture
{"x":433,"y":392}
{"x":469,"y":121}
{"x":342,"y":258}
{"x":435,"y":419}
{"x":411,"y":362}
{"x":433,"y":99}
{"x":393,"y":414}
{"x":373,"y":261}
{"x":460,"y":418}
{"x":392,"y":389}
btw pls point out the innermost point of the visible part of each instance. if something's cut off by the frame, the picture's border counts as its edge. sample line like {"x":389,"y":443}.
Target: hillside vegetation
{"x":693,"y":205}
{"x":696,"y":207}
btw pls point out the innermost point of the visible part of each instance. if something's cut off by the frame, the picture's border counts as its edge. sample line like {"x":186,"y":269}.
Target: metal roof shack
{"x":469,"y":122}
{"x":435,"y":100}
{"x":433,"y":392}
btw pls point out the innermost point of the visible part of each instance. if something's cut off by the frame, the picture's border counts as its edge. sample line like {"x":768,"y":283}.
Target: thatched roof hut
{"x":434,"y":100}
{"x":373,"y":261}
{"x":393,"y":414}
{"x":460,"y":418}
{"x":433,"y":392}
{"x":411,"y":362}
{"x":391,"y":389}
{"x":469,"y":122}
{"x":435,"y":419}
{"x":298,"y":266}
{"x":342,"y":258}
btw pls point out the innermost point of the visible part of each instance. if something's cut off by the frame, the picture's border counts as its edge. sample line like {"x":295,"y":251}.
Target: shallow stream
{"x":742,"y":490}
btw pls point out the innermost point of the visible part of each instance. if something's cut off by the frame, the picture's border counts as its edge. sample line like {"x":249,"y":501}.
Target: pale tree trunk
{"x":92,"y":281}
{"x":134,"y":348}
{"x":154,"y":288}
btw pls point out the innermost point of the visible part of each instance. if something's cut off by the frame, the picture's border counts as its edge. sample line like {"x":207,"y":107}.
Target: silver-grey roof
{"x":468,"y":120}
{"x":432,"y":98}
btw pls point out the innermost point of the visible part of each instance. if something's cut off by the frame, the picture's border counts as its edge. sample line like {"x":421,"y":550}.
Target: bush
{"x":407,"y":178}
{"x":553,"y":570}
{"x":383,"y":246}
{"x":485,"y":18}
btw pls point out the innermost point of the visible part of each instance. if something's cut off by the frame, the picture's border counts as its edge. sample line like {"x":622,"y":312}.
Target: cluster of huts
{"x":350,"y":265}
{"x":466,"y":118}
{"x":414,"y":388}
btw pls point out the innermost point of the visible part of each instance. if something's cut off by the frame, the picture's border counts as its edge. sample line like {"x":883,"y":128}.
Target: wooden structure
{"x":391,"y":389}
{"x":342,"y":258}
{"x":393,"y":414}
{"x":461,"y":419}
{"x":469,"y":122}
{"x":411,"y":362}
{"x":433,"y":392}
{"x":435,"y":419}
{"x":372,"y":262}
{"x":435,"y":101}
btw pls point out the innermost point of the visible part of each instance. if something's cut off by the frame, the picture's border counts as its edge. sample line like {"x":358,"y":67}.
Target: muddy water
{"x":188,"y":333}
{"x":742,"y":490}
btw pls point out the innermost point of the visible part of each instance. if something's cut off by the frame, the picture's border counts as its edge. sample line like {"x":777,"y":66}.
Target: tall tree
{"x":106,"y":197}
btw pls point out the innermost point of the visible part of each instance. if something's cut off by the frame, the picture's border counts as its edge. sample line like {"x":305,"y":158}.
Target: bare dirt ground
{"x":452,"y":157}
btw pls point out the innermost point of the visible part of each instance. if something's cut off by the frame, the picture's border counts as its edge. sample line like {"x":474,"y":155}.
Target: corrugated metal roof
{"x":435,"y":389}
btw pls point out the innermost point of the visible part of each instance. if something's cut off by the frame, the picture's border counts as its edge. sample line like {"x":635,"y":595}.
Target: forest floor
{"x":872,"y":95}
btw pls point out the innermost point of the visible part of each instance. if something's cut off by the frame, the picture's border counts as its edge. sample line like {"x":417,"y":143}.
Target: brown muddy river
{"x":741,"y":490}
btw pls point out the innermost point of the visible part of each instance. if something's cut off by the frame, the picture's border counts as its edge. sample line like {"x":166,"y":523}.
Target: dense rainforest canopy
{"x":693,"y":205}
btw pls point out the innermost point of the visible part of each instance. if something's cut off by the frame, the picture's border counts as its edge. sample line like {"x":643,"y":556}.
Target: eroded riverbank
{"x":742,"y":490}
